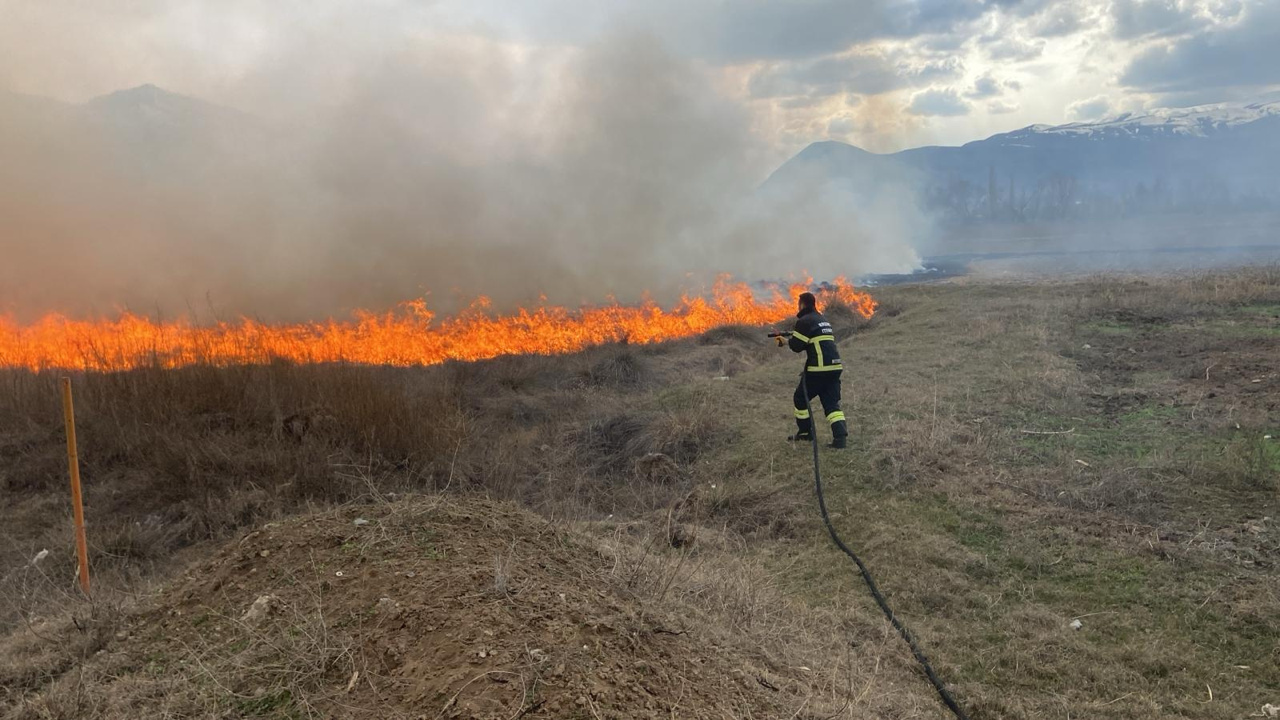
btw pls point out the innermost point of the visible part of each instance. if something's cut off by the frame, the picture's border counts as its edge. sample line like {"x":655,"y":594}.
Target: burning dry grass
{"x":410,"y":336}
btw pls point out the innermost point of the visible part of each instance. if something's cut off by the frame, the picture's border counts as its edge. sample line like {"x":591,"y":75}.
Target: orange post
{"x":77,"y":504}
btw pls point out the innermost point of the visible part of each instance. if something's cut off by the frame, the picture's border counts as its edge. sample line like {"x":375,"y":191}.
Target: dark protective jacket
{"x":813,"y":335}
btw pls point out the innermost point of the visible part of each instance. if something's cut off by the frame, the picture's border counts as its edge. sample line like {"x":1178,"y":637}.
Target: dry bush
{"x":845,"y":319}
{"x":751,"y":512}
{"x":174,"y":457}
{"x":622,"y":367}
{"x":732,"y":335}
{"x":611,"y":444}
{"x":62,"y":631}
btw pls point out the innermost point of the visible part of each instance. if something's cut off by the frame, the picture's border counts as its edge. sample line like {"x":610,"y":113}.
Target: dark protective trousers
{"x":825,"y":386}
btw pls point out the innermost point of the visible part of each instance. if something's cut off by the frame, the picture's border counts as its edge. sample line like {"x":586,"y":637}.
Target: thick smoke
{"x":368,"y":169}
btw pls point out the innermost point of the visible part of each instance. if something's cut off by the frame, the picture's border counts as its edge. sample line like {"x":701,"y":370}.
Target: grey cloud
{"x":1145,"y":18}
{"x":944,"y":42}
{"x":841,"y":126}
{"x":1001,"y":108}
{"x":735,"y":31}
{"x":935,"y":70}
{"x":1012,"y":48}
{"x":1243,"y":54}
{"x":1206,"y":96}
{"x":944,"y":102}
{"x":1091,"y":109}
{"x":866,"y":73}
{"x":915,"y":17}
{"x":1059,"y":20}
{"x":1023,"y":8}
{"x":984,"y":87}
{"x":869,"y":74}
{"x":799,"y":102}
{"x":988,"y":86}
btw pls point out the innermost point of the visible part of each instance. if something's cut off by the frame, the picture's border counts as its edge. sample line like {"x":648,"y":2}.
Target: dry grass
{"x":1144,"y":515}
{"x":174,"y":458}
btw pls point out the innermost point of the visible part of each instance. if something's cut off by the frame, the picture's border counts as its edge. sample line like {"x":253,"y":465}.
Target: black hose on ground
{"x":866,"y":574}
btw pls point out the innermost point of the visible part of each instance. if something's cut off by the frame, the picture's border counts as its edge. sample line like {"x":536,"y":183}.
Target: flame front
{"x":407,"y":336}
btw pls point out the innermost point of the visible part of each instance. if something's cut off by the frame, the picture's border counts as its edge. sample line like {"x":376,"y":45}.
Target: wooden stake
{"x":77,"y":504}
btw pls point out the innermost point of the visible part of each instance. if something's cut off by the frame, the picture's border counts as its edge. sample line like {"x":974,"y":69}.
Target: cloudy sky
{"x":881,"y":74}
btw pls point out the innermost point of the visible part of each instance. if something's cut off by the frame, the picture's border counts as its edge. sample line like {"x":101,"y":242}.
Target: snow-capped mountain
{"x":1222,"y":156}
{"x":1199,"y":121}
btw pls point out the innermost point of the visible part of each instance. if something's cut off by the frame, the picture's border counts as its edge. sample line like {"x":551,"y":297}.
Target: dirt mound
{"x":422,"y":609}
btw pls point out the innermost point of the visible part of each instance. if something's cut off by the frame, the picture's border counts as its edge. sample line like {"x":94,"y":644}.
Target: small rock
{"x":538,"y":655}
{"x":264,"y":553}
{"x":39,"y":556}
{"x":360,"y":522}
{"x":1270,"y":710}
{"x":1076,"y":624}
{"x":260,"y":609}
{"x":1087,"y":346}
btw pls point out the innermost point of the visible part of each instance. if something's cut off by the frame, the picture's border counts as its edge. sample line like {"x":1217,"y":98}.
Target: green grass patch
{"x":1256,"y":459}
{"x":1131,"y":436}
{"x":1265,"y":309}
{"x":1238,"y":325}
{"x":971,"y":529}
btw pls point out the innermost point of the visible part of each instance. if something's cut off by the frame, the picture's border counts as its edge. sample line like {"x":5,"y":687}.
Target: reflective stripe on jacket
{"x":813,"y":335}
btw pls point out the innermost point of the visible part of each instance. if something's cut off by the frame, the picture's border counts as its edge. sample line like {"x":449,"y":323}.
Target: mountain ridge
{"x":1224,"y":155}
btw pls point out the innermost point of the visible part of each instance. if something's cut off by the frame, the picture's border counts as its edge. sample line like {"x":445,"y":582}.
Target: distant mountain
{"x":160,"y":133}
{"x":145,"y":132}
{"x":1216,"y":157}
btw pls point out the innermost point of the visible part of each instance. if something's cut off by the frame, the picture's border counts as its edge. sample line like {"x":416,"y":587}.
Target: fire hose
{"x":941,"y":687}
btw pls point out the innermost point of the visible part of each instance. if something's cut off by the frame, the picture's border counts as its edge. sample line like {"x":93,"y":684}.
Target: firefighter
{"x":813,"y":336}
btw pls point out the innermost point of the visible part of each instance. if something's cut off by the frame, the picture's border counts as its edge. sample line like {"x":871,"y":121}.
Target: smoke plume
{"x":365,"y":166}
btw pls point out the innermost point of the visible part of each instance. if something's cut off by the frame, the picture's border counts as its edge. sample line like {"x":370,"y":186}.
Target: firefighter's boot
{"x":839,"y":435}
{"x":804,"y":428}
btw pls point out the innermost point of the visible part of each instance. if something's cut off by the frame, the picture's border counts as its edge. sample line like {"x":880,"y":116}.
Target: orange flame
{"x":407,"y":336}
